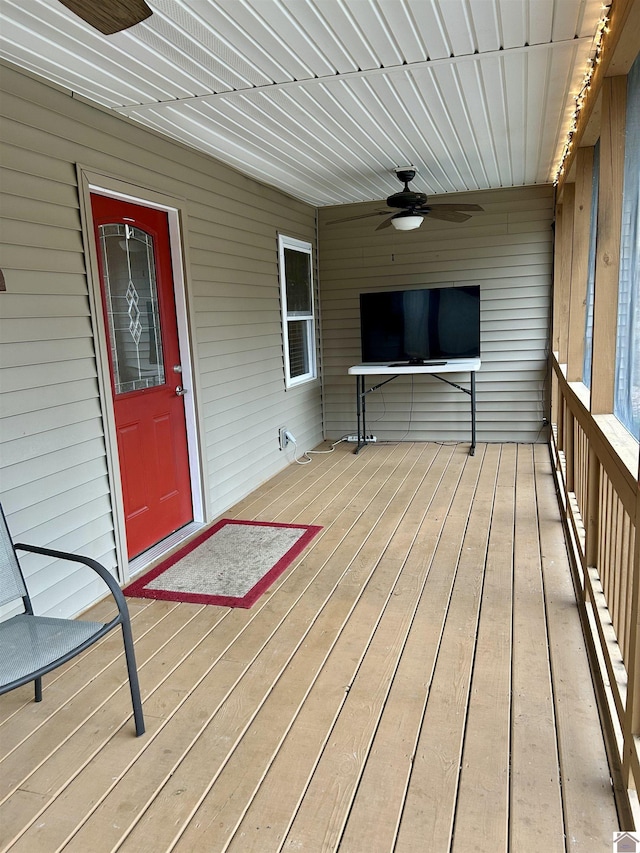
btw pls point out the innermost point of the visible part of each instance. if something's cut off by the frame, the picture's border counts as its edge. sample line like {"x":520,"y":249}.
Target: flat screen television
{"x":422,"y":325}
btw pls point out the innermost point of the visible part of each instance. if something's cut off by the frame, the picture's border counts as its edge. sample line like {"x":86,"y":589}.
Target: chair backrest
{"x":11,"y":581}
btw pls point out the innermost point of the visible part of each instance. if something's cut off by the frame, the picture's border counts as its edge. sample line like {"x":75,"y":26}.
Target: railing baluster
{"x":592,"y":515}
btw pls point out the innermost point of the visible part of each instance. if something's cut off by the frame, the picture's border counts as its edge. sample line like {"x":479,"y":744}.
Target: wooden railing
{"x":599,"y":494}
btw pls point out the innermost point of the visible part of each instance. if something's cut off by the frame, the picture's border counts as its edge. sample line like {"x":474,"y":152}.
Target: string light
{"x":596,"y":56}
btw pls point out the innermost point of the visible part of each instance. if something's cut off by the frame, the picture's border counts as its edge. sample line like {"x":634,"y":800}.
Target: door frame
{"x":92,"y":182}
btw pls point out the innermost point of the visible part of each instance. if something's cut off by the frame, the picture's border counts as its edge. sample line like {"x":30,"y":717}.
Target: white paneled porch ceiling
{"x":324,"y":98}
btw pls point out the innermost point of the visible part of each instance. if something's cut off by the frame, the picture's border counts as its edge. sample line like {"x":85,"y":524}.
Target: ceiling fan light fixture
{"x":407,"y":221}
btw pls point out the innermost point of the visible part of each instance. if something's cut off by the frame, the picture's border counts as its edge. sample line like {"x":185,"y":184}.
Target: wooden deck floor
{"x":415,"y":682}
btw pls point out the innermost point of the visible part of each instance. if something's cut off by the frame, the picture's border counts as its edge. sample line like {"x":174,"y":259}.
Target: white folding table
{"x":434,"y":368}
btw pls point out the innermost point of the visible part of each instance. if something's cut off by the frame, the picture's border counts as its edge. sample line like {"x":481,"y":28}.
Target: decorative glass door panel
{"x":133,"y":315}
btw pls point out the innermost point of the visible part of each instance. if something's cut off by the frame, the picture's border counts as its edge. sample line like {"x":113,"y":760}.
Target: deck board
{"x":429,"y":808}
{"x":536,"y":803}
{"x":416,"y":680}
{"x":482,"y":812}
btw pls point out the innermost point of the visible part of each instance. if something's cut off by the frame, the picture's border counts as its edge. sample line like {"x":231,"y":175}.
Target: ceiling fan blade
{"x":454,"y":207}
{"x":362,"y":216}
{"x":385,"y":224}
{"x":109,"y":16}
{"x":447,"y":215}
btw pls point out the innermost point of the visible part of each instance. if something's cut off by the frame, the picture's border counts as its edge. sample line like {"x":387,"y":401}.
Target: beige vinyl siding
{"x":507,"y":250}
{"x":54,"y":480}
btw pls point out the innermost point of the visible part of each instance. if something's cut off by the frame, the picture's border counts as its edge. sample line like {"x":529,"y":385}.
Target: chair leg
{"x":134,"y":684}
{"x":38,"y":689}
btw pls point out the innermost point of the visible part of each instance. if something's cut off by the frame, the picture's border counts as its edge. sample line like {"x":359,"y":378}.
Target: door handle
{"x":180,"y":391}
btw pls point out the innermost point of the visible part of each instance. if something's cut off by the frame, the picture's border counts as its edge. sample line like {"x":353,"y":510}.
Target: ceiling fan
{"x":413,"y":207}
{"x":109,"y":16}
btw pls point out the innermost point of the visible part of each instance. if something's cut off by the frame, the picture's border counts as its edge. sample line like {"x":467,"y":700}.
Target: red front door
{"x":134,"y":256}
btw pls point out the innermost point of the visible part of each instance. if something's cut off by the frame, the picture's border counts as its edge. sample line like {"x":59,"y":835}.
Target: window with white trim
{"x":298,"y":312}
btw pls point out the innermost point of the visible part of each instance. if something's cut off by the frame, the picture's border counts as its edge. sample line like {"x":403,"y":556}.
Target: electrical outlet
{"x":370,"y":439}
{"x":285,"y":437}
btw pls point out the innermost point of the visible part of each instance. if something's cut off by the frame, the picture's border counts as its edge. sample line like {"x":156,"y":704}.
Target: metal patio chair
{"x":31,"y":646}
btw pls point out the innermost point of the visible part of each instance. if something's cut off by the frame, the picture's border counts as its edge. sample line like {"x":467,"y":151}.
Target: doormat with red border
{"x":230,"y":564}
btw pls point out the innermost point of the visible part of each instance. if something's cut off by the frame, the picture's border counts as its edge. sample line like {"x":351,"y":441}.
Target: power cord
{"x":305,"y":458}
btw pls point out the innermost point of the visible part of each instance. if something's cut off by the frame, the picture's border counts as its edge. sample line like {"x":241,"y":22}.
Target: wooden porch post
{"x":562,"y":277}
{"x":605,"y":306}
{"x":579,"y":263}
